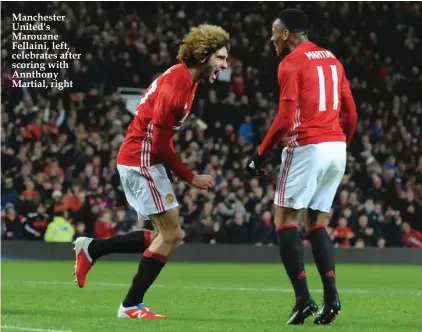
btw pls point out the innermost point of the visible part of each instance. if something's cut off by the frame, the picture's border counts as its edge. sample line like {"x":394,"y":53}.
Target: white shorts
{"x":147,"y":189}
{"x":310,"y":175}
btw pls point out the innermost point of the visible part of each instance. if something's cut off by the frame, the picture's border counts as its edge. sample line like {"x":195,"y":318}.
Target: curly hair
{"x":201,"y":42}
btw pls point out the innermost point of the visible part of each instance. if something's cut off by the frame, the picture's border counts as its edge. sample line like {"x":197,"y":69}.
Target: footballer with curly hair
{"x":142,"y":160}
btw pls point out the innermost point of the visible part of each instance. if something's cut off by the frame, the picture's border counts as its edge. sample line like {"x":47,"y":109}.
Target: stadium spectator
{"x":411,"y":238}
{"x":364,"y":232}
{"x":36,"y":223}
{"x":80,"y":230}
{"x":343,"y":234}
{"x":12,"y":224}
{"x":105,"y":227}
{"x":8,"y":193}
{"x":59,"y":230}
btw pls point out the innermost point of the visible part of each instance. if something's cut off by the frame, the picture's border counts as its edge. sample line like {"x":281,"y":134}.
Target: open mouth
{"x":215,"y":74}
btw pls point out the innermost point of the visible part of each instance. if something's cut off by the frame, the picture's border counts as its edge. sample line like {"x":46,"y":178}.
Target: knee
{"x":172,"y":237}
{"x":315,"y":219}
{"x":154,"y":234}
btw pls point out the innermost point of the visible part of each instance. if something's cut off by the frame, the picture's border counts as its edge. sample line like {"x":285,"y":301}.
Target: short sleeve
{"x":288,"y":81}
{"x":165,"y":105}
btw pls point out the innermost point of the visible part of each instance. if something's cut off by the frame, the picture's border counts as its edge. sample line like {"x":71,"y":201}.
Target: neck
{"x":195,"y":74}
{"x":299,"y":39}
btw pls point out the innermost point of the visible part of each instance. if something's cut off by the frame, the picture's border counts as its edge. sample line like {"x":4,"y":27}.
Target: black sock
{"x":323,"y":251}
{"x":291,"y":253}
{"x":148,"y":270}
{"x":134,"y":242}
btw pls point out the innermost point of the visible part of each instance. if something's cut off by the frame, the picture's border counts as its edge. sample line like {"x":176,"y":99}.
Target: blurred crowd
{"x":58,"y":147}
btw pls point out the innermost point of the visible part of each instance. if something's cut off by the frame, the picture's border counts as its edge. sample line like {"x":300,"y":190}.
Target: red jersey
{"x":104,"y":230}
{"x":313,"y":87}
{"x":343,"y":234}
{"x":165,"y":104}
{"x":412,"y":239}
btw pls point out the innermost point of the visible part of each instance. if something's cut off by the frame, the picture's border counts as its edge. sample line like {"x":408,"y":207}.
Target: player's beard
{"x":282,"y":50}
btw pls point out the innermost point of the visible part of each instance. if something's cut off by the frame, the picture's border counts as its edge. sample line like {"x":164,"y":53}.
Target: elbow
{"x":353,"y":120}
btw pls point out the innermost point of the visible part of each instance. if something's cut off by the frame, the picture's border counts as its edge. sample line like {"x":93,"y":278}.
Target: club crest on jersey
{"x":169,"y":198}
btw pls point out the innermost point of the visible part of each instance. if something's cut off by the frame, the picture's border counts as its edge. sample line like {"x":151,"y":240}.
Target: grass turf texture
{"x":40,"y":296}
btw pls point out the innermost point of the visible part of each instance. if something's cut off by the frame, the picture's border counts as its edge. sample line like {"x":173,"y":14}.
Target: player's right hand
{"x":203,"y":181}
{"x":255,"y":165}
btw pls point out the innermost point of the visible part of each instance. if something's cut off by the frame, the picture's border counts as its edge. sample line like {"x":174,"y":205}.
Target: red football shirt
{"x":165,"y":104}
{"x":412,"y":239}
{"x":313,"y":86}
{"x":343,"y":233}
{"x":315,"y":78}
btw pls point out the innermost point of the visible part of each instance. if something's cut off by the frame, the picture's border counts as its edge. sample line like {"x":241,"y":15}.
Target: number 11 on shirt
{"x":322,"y":93}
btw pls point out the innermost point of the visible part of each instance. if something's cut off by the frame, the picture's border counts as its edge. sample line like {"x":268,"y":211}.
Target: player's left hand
{"x":254,"y":165}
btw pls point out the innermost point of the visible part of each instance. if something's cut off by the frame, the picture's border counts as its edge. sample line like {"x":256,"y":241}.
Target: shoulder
{"x":288,"y":64}
{"x":177,"y":77}
{"x":287,"y":67}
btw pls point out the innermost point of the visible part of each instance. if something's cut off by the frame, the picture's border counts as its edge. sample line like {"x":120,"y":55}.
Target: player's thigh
{"x":335,"y":156}
{"x":170,"y":233}
{"x":152,"y":189}
{"x":167,"y":222}
{"x":127,"y":180}
{"x":297,"y":178}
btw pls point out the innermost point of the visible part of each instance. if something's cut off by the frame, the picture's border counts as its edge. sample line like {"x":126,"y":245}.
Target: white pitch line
{"x":23,"y":328}
{"x":202,"y":287}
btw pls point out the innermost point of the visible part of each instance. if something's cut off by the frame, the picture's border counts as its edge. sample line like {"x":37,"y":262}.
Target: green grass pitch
{"x":41,"y":296}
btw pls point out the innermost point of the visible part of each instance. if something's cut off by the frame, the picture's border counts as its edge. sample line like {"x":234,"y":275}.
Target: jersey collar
{"x":303,"y":45}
